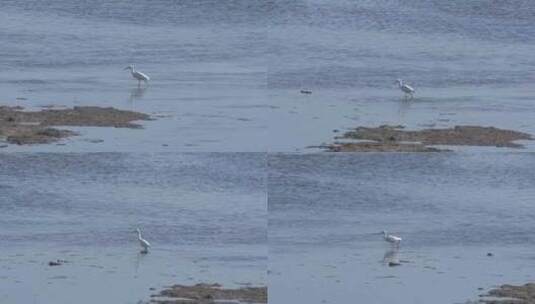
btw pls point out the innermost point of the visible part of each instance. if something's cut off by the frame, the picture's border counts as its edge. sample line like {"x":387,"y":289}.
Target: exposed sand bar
{"x":511,"y":294}
{"x":210,"y":293}
{"x":35,"y":127}
{"x":395,"y":139}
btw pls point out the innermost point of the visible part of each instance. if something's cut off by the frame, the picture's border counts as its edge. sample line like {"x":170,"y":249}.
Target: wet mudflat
{"x":210,"y":293}
{"x":511,"y":294}
{"x":396,"y":139}
{"x":35,"y":127}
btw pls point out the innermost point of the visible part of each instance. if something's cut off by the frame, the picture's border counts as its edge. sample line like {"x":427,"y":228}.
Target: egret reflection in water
{"x":137,"y":262}
{"x":391,"y":256}
{"x":137,"y":93}
{"x":404,"y":107}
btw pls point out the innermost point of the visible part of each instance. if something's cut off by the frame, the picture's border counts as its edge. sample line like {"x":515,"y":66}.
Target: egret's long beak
{"x":126,"y":68}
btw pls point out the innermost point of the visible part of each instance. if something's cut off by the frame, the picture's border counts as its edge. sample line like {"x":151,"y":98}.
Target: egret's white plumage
{"x":391,"y":238}
{"x":405,"y":88}
{"x":145,"y":245}
{"x":138,"y":75}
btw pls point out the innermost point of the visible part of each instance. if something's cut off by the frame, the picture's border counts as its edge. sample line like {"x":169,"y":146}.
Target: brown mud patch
{"x":395,"y":139}
{"x":35,"y":127}
{"x":511,"y":294}
{"x":210,"y":293}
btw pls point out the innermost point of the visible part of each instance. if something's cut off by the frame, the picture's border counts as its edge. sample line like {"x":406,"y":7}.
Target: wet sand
{"x":387,"y":138}
{"x":511,"y":294}
{"x":210,"y":293}
{"x":35,"y":127}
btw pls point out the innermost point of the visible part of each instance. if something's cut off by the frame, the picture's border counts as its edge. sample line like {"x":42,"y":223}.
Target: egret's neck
{"x":400,"y":83}
{"x":139,"y":235}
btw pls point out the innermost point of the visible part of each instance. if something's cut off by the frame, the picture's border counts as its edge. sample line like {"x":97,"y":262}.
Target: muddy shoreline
{"x":510,"y":294}
{"x":388,"y":138}
{"x":210,"y":293}
{"x":37,"y":127}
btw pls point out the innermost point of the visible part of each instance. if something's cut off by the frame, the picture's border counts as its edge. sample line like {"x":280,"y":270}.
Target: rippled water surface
{"x":226,"y":75}
{"x":326,"y":213}
{"x":205,"y":215}
{"x":471,"y":62}
{"x":206,"y":60}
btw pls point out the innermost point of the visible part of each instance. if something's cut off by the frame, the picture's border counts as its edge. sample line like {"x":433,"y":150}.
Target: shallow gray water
{"x":205,"y":215}
{"x":326,"y":213}
{"x":226,"y":75}
{"x":206,"y":60}
{"x":471,"y":62}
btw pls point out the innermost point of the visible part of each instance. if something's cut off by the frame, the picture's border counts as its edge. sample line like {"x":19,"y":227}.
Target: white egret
{"x":405,"y":88}
{"x":138,"y":75}
{"x":144,"y":244}
{"x":391,"y":238}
